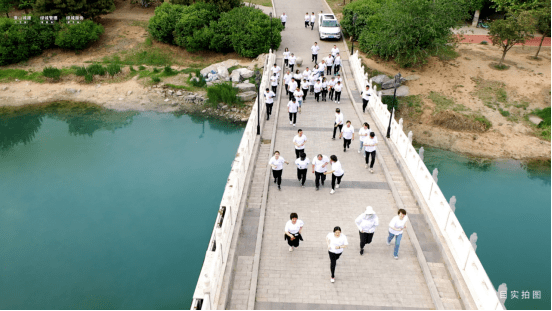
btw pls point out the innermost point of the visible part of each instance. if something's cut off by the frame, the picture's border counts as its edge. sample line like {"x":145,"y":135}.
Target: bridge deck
{"x":301,"y":279}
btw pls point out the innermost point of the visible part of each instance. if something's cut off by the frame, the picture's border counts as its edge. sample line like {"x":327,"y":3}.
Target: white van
{"x":328,"y":27}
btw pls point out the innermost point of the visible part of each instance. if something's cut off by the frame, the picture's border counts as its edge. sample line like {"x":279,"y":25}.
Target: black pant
{"x":335,"y":128}
{"x":315,"y":58}
{"x":284,"y":24}
{"x":311,"y":88}
{"x":324,"y":93}
{"x":293,"y":117}
{"x":346,"y":143}
{"x":364,"y":104}
{"x":317,"y":96}
{"x":277,"y":174}
{"x":295,"y":242}
{"x":312,"y":25}
{"x":286,"y":61}
{"x":331,"y":93}
{"x":333,"y":261}
{"x":274,"y":88}
{"x":291,"y":96}
{"x":367,"y":155}
{"x":291,"y":67}
{"x":298,"y":83}
{"x":305,"y":91}
{"x":268,"y":110}
{"x":337,"y":67}
{"x":365,"y":238}
{"x":286,"y":87}
{"x":329,"y":70}
{"x":334,"y":178}
{"x":337,"y":96}
{"x":298,"y":152}
{"x":318,"y":178}
{"x":302,"y":175}
{"x":307,"y":24}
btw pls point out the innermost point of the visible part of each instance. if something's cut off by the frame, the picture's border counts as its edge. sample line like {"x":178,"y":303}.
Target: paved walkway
{"x":301,"y":279}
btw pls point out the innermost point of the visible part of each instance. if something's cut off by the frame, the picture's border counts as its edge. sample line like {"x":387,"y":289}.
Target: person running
{"x":283,"y":18}
{"x":322,"y":68}
{"x":317,"y":90}
{"x":291,"y":88}
{"x":287,"y":80}
{"x":274,"y":82}
{"x":331,"y":85}
{"x":292,"y":231}
{"x":292,"y":60}
{"x":337,"y":63}
{"x":312,"y":81}
{"x":306,"y":73}
{"x":335,"y":51}
{"x":299,"y":141}
{"x":299,"y":97}
{"x":276,"y":69}
{"x":366,"y":224}
{"x":269,"y":95}
{"x":298,"y":77}
{"x":324,"y":85}
{"x":305,"y":87}
{"x":348,"y":134}
{"x":365,"y":98}
{"x":277,"y":164}
{"x":337,"y":173}
{"x":312,"y":20}
{"x":338,"y":121}
{"x":363,"y":133}
{"x":319,"y":167}
{"x":329,"y":63}
{"x":315,"y":48}
{"x":370,"y":144}
{"x":337,"y":89}
{"x":307,"y":19}
{"x":292,"y":109}
{"x":302,"y":166}
{"x":336,"y":241}
{"x":286,"y":56}
{"x":396,"y":228}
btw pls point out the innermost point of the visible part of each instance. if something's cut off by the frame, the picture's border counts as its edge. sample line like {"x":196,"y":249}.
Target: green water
{"x":508,"y":205}
{"x":107,"y":210}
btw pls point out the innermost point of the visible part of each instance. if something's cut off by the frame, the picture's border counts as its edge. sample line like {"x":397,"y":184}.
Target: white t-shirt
{"x":315,"y":49}
{"x":291,"y":228}
{"x":397,"y":223}
{"x":298,"y":95}
{"x":329,"y":61}
{"x":293,"y":106}
{"x":298,"y":77}
{"x":274,"y":80}
{"x":287,"y":78}
{"x":292,"y":60}
{"x":367,"y":223}
{"x":338,"y":87}
{"x":337,"y":60}
{"x":338,"y":118}
{"x":307,"y":18}
{"x":324,"y":85}
{"x":305,"y":85}
{"x":335,"y":241}
{"x":302,"y":164}
{"x":332,"y":82}
{"x":269,"y":97}
{"x":278,"y":162}
{"x":338,"y":170}
{"x":318,"y":164}
{"x":300,"y":140}
{"x":276,"y":70}
{"x":313,"y":18}
{"x":366,"y":95}
{"x":363,"y":134}
{"x":348,"y":132}
{"x":286,"y":54}
{"x":306,"y":74}
{"x":283,"y":18}
{"x":321,"y":66}
{"x":339,"y":79}
{"x":317,"y":87}
{"x":292,"y":86}
{"x":335,"y":51}
{"x":369,"y":143}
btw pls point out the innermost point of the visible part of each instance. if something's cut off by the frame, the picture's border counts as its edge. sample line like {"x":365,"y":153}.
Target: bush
{"x":168,"y":71}
{"x":155,"y":79}
{"x":141,"y":68}
{"x":162,"y":24}
{"x":96,"y":69}
{"x":200,"y":82}
{"x":78,"y":36}
{"x":87,"y":8}
{"x":81,"y":71}
{"x":223,"y":93}
{"x":367,"y":16}
{"x":113,"y":69}
{"x":51,"y":72}
{"x":88,"y":78}
{"x":131,"y":69}
{"x":220,"y":5}
{"x":191,"y":31}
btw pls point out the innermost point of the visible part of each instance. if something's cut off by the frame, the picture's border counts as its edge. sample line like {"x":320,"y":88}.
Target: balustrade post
{"x":452,"y":204}
{"x":410,"y":136}
{"x":435,"y":173}
{"x":502,"y":288}
{"x":421,"y":153}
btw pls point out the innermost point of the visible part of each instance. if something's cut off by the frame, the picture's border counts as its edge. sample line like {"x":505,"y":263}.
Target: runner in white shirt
{"x":299,"y":142}
{"x":298,"y":77}
{"x":338,"y":79}
{"x":302,"y":165}
{"x":336,"y":241}
{"x":274,"y":82}
{"x":292,"y":231}
{"x":324,"y":85}
{"x":363,"y":133}
{"x":322,"y":68}
{"x":312,"y":20}
{"x":329,"y":63}
{"x":319,"y":167}
{"x":348,"y":134}
{"x":287,"y":80}
{"x":299,"y":97}
{"x":312,"y":81}
{"x":365,"y":98}
{"x":292,"y":110}
{"x":331,"y":85}
{"x":396,"y":229}
{"x":337,"y":89}
{"x":317,"y":90}
{"x":286,"y":56}
{"x":292,"y":60}
{"x":338,"y":121}
{"x":283,"y":18}
{"x":314,"y":49}
{"x":337,"y":173}
{"x":277,"y":164}
{"x":305,"y":87}
{"x":269,"y":95}
{"x":370,"y":144}
{"x":337,"y":63}
{"x":306,"y":73}
{"x":292,"y":87}
{"x":366,"y":224}
{"x":335,"y":50}
{"x":307,"y":19}
{"x":276,"y":69}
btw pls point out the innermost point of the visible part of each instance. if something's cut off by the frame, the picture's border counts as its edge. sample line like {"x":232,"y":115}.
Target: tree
{"x":26,"y":5}
{"x":517,"y":6}
{"x":222,"y":5}
{"x":516,"y":28}
{"x":367,"y":16}
{"x":543,"y":24}
{"x":6,"y":6}
{"x":191,"y":31}
{"x":86,"y":8}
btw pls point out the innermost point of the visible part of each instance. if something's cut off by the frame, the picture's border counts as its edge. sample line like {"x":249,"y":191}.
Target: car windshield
{"x":329,"y":23}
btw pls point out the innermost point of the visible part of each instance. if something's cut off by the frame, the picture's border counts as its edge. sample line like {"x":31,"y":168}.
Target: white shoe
{"x":294,"y":125}
{"x":387,"y":243}
{"x":332,"y":192}
{"x":359,"y":151}
{"x":335,"y":101}
{"x":338,"y":102}
{"x":291,"y":249}
{"x":372,"y":171}
{"x":397,"y":257}
{"x":332,"y":280}
{"x":366,"y":166}
{"x":337,"y":186}
{"x":290,"y":122}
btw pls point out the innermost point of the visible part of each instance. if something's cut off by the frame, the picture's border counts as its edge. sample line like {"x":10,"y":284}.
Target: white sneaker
{"x":366,"y":166}
{"x":291,"y":249}
{"x":294,"y":125}
{"x":338,"y":102}
{"x":335,"y":101}
{"x":332,"y":280}
{"x":290,"y":122}
{"x":332,"y":192}
{"x":396,"y":257}
{"x":372,"y":171}
{"x":359,"y":151}
{"x":337,"y":186}
{"x":387,"y":243}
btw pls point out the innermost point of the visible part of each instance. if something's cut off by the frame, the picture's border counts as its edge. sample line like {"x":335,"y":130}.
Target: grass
{"x":504,"y":113}
{"x":147,"y":56}
{"x":336,"y":5}
{"x":155,"y":79}
{"x":51,"y":72}
{"x":180,"y":87}
{"x":490,"y":92}
{"x":441,"y":102}
{"x":8,"y":75}
{"x":481,"y":119}
{"x":411,"y":106}
{"x":543,"y":129}
{"x":223,"y":93}
{"x":259,"y":2}
{"x":446,"y":53}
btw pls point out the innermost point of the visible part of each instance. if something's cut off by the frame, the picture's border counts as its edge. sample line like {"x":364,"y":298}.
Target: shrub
{"x":88,"y":78}
{"x":223,"y":93}
{"x":168,"y":71}
{"x":113,"y":69}
{"x":191,"y":31}
{"x":200,"y":81}
{"x":156,"y":70}
{"x":81,"y":71}
{"x":141,"y":68}
{"x":162,"y":24}
{"x":96,"y":69}
{"x":78,"y":36}
{"x":51,"y":72}
{"x":155,"y":79}
{"x":131,"y":69}
{"x":221,"y":5}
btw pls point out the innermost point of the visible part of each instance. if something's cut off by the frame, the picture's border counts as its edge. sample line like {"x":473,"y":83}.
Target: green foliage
{"x":367,"y":17}
{"x":148,"y":42}
{"x":200,"y":82}
{"x":88,"y":78}
{"x":510,"y":31}
{"x":81,"y":71}
{"x":482,"y":119}
{"x":390,"y":101}
{"x":141,"y":68}
{"x":156,"y":70}
{"x":51,"y":72}
{"x":96,"y":69}
{"x":113,"y":69}
{"x":162,"y":24}
{"x":6,"y":6}
{"x":191,"y":31}
{"x":155,"y":79}
{"x":78,"y":36}
{"x":168,"y":71}
{"x":517,"y":6}
{"x":411,"y":31}
{"x":504,"y":113}
{"x":544,"y":114}
{"x":221,"y":5}
{"x":131,"y":69}
{"x":86,"y":8}
{"x":223,"y":93}
{"x":7,"y":75}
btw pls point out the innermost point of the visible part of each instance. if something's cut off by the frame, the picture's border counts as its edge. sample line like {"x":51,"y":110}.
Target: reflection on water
{"x":217,"y":124}
{"x":18,"y":127}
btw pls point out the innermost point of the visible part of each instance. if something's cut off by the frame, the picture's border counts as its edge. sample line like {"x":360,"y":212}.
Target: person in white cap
{"x":292,"y":231}
{"x":366,"y":223}
{"x":283,"y":18}
{"x":396,"y":229}
{"x":363,"y":133}
{"x":299,"y":141}
{"x":319,"y":167}
{"x":348,"y":134}
{"x":336,"y":241}
{"x":370,"y":144}
{"x":337,"y":173}
{"x":307,"y":19}
{"x":315,"y":48}
{"x":302,"y":166}
{"x":277,"y":164}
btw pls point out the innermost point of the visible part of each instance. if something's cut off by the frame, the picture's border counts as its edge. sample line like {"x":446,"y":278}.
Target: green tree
{"x":6,"y":6}
{"x":26,"y":5}
{"x":367,"y":16}
{"x":516,"y":28}
{"x":86,"y":8}
{"x":162,"y":24}
{"x":517,"y":6}
{"x":191,"y":31}
{"x":78,"y":36}
{"x":543,"y":24}
{"x":222,"y":5}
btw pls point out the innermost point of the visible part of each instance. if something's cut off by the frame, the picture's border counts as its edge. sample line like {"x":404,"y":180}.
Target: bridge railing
{"x":208,"y":288}
{"x":467,"y":261}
